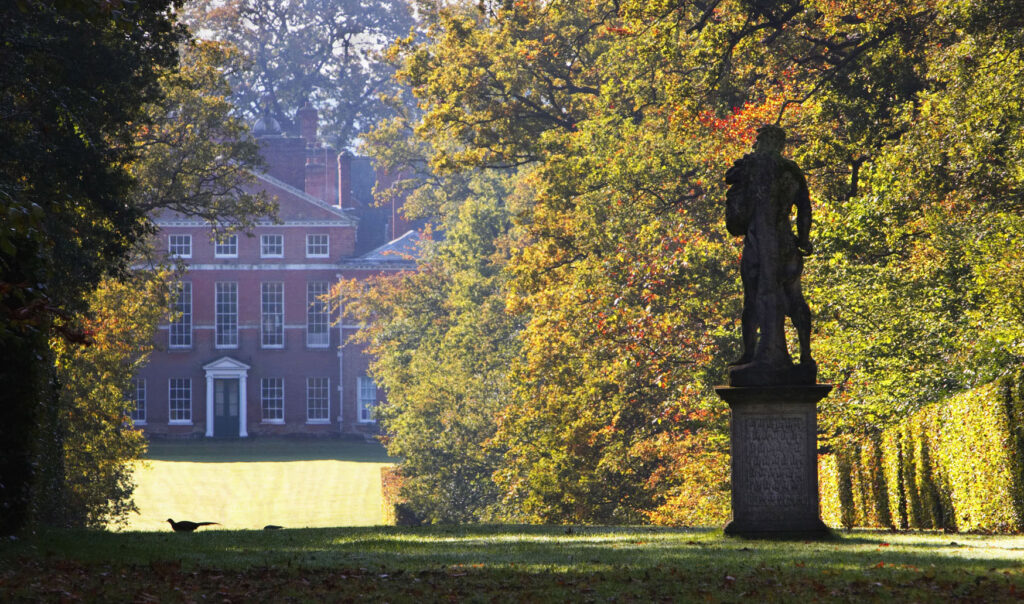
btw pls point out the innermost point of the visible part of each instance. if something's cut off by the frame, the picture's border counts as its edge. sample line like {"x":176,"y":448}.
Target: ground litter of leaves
{"x":508,"y":564}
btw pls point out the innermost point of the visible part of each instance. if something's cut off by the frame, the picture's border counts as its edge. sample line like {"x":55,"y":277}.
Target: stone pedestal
{"x":774,"y":460}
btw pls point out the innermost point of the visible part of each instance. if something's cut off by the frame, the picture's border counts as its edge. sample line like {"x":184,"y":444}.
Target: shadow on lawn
{"x":528,"y":563}
{"x":539,"y":547}
{"x":938,"y":540}
{"x":692,"y":549}
{"x":266,"y":449}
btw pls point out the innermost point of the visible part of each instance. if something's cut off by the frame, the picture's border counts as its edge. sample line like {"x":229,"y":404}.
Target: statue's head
{"x":770,"y":139}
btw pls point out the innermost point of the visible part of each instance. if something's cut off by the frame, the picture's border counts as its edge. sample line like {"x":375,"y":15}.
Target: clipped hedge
{"x":828,"y":481}
{"x":955,"y":465}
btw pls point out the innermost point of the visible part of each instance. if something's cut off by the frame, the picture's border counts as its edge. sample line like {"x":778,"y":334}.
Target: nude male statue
{"x":764,"y":187}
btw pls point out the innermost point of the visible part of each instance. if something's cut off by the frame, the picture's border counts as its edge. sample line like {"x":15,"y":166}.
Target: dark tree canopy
{"x":75,"y":78}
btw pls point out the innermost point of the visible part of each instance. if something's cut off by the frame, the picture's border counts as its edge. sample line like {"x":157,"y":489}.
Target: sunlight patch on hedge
{"x":955,"y":465}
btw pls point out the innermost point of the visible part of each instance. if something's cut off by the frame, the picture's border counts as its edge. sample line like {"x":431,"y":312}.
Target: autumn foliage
{"x":613,"y":125}
{"x":956,"y":465}
{"x":88,"y":448}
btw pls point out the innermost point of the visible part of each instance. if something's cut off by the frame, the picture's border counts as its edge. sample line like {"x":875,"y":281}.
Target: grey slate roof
{"x":397,"y":254}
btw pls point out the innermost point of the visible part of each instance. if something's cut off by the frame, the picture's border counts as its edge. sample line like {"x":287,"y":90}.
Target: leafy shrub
{"x":893,"y":474}
{"x":978,"y":460}
{"x":954,"y":465}
{"x":865,"y":502}
{"x":829,"y":490}
{"x":698,"y":493}
{"x":390,"y":483}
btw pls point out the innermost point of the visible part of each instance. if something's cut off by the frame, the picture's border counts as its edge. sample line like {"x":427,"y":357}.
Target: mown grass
{"x":509,"y":563}
{"x":267,"y":449}
{"x":250,"y":483}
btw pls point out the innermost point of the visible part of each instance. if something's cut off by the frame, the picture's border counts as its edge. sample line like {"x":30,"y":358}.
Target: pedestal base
{"x":774,"y":435}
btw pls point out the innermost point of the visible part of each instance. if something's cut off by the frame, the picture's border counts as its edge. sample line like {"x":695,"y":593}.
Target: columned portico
{"x":226,"y":369}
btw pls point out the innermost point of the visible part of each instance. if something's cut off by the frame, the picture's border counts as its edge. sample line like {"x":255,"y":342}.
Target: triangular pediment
{"x":226,"y":364}
{"x":295,"y":204}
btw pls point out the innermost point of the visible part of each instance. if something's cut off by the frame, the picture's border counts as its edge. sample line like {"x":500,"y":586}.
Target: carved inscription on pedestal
{"x":774,"y":460}
{"x":774,"y":467}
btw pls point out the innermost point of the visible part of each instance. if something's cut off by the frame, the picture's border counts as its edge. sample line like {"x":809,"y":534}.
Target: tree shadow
{"x":541,"y":563}
{"x":267,"y":449}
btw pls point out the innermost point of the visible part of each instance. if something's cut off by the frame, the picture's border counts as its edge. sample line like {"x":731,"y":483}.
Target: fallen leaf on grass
{"x":165,"y":568}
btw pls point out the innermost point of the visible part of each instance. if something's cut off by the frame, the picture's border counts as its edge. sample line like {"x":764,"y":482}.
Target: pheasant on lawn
{"x":187,"y":526}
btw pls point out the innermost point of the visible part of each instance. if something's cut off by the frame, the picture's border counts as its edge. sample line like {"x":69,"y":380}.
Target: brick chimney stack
{"x":285,"y":156}
{"x":308,"y":123}
{"x":316,"y":181}
{"x":345,"y":180}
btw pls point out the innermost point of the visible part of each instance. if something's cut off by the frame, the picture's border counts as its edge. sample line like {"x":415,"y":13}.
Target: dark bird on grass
{"x":187,"y":526}
{"x":272,"y":527}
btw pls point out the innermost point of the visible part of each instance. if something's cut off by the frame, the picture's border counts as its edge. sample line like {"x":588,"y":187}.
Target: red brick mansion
{"x":255,"y":350}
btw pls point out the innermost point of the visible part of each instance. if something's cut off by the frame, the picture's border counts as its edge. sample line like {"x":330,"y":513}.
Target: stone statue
{"x":763,"y":188}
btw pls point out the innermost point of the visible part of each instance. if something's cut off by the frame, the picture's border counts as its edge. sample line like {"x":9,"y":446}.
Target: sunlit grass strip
{"x":240,"y":493}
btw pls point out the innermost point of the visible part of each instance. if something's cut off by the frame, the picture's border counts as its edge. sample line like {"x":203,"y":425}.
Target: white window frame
{"x":225,"y":323}
{"x":265,"y":243}
{"x":366,"y":398}
{"x":313,"y":249}
{"x":137,"y":396}
{"x":318,"y":315}
{"x":185,"y":244}
{"x":272,"y":314}
{"x":321,"y":387}
{"x":226,"y":246}
{"x":179,"y":390}
{"x":179,"y":331}
{"x":272,"y":392}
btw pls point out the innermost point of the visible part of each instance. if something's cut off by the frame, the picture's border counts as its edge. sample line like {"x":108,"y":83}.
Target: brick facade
{"x":273,"y":370}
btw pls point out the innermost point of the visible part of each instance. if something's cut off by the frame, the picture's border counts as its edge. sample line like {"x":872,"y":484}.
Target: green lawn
{"x":250,"y":483}
{"x":247,"y":484}
{"x":508,"y":564}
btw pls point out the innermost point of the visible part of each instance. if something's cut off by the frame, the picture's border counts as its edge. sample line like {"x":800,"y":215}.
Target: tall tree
{"x":616,"y":328}
{"x":87,"y":455}
{"x":923,"y":256}
{"x":321,"y":51}
{"x":193,"y":154}
{"x":442,"y":343}
{"x":76,"y":75}
{"x":193,"y":157}
{"x":624,"y":116}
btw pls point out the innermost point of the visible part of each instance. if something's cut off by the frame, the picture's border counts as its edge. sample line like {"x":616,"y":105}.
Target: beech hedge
{"x":955,"y":465}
